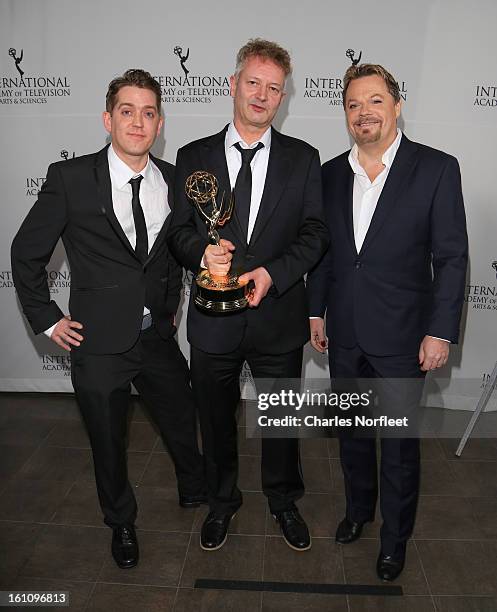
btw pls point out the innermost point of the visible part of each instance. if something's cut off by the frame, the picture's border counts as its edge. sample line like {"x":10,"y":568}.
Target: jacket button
{"x":357,"y":264}
{"x":249,"y":256}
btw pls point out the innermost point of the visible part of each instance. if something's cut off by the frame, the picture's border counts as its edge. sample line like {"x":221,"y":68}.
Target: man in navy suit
{"x":391,"y":286}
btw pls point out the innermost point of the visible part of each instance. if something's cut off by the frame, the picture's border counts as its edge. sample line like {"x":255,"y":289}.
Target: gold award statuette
{"x":214,"y":293}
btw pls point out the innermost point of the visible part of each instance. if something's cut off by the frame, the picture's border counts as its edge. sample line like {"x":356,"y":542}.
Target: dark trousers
{"x":102,"y":384}
{"x":400,"y":457}
{"x":216,"y":386}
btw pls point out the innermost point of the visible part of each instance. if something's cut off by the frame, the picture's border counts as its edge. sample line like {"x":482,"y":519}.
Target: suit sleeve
{"x":32,"y":249}
{"x":318,"y":279}
{"x":312,"y":240}
{"x":183,"y":239}
{"x":449,"y":245}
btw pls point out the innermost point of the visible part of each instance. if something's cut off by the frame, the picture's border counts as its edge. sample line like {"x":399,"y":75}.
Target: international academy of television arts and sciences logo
{"x":32,"y":184}
{"x":20,"y":85}
{"x":483,"y":296}
{"x":327,"y":89}
{"x":186,"y":86}
{"x":485,"y":96}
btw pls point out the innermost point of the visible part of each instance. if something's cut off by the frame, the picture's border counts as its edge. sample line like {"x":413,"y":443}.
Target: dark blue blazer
{"x":408,"y":279}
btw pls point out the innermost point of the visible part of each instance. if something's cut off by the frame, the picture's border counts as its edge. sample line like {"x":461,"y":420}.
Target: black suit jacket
{"x":288,"y":239}
{"x":408,"y":279}
{"x":109,"y":285}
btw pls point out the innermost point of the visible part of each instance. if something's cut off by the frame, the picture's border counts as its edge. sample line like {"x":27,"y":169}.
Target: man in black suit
{"x":111,"y":210}
{"x":276,"y":236}
{"x":391,"y":285}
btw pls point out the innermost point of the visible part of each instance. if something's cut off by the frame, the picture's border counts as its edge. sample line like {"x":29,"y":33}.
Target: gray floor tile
{"x":123,"y":597}
{"x":14,"y":458}
{"x":466,"y":604}
{"x":210,"y":600}
{"x":32,"y":500}
{"x":70,"y":433}
{"x":322,"y":563}
{"x":25,"y":431}
{"x":476,"y":478}
{"x":459,"y":568}
{"x":239,"y":559}
{"x":446,"y":517}
{"x":391,"y":604}
{"x":17,"y":542}
{"x":286,"y":602}
{"x":55,"y":463}
{"x":80,"y":506}
{"x":476,"y":449}
{"x":68,"y":553}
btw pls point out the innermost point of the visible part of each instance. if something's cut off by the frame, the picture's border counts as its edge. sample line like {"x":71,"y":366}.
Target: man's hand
{"x":262,"y":282}
{"x":318,"y":338}
{"x":64,"y":334}
{"x":433,"y":353}
{"x":217,"y":259}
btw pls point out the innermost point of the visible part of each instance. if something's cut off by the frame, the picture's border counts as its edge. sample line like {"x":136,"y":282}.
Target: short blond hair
{"x":258,"y":47}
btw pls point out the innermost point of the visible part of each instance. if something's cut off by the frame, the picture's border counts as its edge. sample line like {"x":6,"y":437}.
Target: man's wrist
{"x":48,"y":332}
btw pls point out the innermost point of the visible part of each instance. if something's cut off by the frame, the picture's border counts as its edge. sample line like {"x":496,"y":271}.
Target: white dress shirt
{"x":258,"y":166}
{"x":366,"y":193}
{"x":153,"y":199}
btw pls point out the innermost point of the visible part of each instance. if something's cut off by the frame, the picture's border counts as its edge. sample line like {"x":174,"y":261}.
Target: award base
{"x":220,"y":293}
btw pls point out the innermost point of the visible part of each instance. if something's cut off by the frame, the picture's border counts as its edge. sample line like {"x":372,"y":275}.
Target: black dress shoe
{"x":388,"y":567}
{"x":294,"y":529}
{"x":192,"y":501}
{"x":125,"y":547}
{"x":214,"y":531}
{"x":348,"y":531}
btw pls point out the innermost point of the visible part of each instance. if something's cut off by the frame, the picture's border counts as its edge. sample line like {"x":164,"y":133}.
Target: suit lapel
{"x":346,"y":184}
{"x":403,"y":164}
{"x":170,"y":191}
{"x":102,"y":177}
{"x":213,"y":158}
{"x":278,"y":173}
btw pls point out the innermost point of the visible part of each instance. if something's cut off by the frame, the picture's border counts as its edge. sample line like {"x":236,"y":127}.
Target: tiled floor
{"x":52,"y":536}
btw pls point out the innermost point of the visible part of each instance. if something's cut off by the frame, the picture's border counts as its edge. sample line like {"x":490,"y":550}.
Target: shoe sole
{"x":220,"y":545}
{"x":288,"y":543}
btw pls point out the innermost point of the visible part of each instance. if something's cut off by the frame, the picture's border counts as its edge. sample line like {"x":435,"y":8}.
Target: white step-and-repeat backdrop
{"x":58,"y":56}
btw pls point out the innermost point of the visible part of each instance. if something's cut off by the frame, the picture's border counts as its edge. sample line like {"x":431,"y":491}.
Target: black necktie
{"x":141,"y":248}
{"x":243,"y":186}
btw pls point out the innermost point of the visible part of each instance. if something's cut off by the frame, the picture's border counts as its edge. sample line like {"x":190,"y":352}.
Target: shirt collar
{"x":232,"y":137}
{"x":386,"y":159}
{"x":121,"y":173}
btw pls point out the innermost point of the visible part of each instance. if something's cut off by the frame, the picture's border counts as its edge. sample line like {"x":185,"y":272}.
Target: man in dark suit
{"x":276,"y":235}
{"x":391,"y":285}
{"x":111,"y":210}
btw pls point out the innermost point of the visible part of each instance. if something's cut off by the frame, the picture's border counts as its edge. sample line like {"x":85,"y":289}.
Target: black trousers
{"x":400,"y":457}
{"x":216,"y":386}
{"x":102,"y":384}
